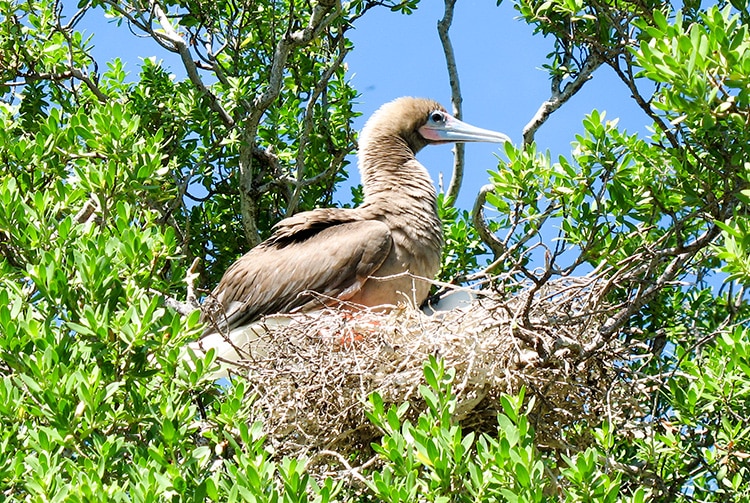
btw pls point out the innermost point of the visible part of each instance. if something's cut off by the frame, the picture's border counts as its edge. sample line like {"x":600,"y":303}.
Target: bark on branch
{"x":307,"y":125}
{"x":73,"y":73}
{"x":322,"y":15}
{"x":180,"y":46}
{"x":443,"y":28}
{"x":560,"y":96}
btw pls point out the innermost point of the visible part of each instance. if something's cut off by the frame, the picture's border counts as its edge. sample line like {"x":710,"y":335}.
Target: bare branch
{"x":443,"y":28}
{"x":559,"y":97}
{"x":500,"y":248}
{"x":191,"y":301}
{"x":480,"y":223}
{"x":76,"y":18}
{"x":673,"y":269}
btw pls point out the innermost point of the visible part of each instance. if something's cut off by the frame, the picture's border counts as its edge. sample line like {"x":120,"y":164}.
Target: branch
{"x":322,"y":15}
{"x":187,"y":61}
{"x":477,"y":216}
{"x":132,"y":20}
{"x":675,"y":267}
{"x":559,"y":97}
{"x":73,"y":73}
{"x":191,"y":304}
{"x":443,"y":27}
{"x":307,"y":124}
{"x":500,"y":249}
{"x":644,"y":104}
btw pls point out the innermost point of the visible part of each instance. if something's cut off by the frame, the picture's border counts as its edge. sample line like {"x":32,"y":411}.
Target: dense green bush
{"x":110,"y":187}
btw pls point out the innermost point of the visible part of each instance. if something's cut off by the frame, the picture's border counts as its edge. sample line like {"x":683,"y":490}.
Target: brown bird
{"x":359,"y":255}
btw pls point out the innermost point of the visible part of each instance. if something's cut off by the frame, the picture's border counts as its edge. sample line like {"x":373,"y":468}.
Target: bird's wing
{"x":300,"y":266}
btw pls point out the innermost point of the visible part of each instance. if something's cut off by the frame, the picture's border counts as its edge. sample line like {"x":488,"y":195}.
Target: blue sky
{"x":499,"y":63}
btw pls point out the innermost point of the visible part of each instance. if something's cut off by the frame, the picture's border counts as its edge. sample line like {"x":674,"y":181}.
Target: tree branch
{"x":307,"y":123}
{"x":642,"y":297}
{"x":480,"y":223}
{"x":322,"y":15}
{"x":443,"y":28}
{"x":500,"y":249}
{"x":644,"y":104}
{"x":73,"y":73}
{"x":559,"y":97}
{"x":187,"y":61}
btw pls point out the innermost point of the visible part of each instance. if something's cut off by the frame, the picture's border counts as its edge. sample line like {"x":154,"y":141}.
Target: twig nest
{"x":313,"y":373}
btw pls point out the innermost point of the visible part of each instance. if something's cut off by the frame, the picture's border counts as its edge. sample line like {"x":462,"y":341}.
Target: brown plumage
{"x":318,"y":257}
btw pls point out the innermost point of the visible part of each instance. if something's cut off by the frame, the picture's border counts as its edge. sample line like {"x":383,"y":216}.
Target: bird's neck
{"x":392,"y":175}
{"x":399,"y":191}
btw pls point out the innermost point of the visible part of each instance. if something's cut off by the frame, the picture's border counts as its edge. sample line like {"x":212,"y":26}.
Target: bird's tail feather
{"x":245,"y":343}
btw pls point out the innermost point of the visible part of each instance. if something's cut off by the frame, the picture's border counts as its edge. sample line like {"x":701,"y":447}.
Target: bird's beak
{"x":454,"y":130}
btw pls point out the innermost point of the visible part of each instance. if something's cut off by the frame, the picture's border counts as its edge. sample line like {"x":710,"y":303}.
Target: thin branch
{"x":191,"y":303}
{"x":307,"y":124}
{"x":132,"y":20}
{"x":73,"y":73}
{"x":354,"y":472}
{"x":443,"y":28}
{"x":500,"y":249}
{"x":480,"y":223}
{"x":675,"y":267}
{"x":76,"y":18}
{"x":559,"y":97}
{"x":644,"y":104}
{"x":187,"y":61}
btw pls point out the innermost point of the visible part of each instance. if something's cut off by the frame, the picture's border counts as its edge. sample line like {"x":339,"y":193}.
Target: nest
{"x":312,"y":378}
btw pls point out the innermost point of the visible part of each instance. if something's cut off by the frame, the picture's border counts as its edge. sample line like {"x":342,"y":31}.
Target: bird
{"x":376,"y":255}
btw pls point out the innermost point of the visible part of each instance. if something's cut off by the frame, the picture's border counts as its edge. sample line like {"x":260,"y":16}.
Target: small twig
{"x":500,"y":248}
{"x":643,"y":103}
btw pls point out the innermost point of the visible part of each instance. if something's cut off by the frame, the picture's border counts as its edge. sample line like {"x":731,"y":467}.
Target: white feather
{"x":245,"y":343}
{"x":454,"y":299}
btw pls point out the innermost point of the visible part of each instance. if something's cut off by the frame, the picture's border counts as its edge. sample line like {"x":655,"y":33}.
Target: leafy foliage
{"x":434,"y":460}
{"x":659,"y":218}
{"x":110,"y":186}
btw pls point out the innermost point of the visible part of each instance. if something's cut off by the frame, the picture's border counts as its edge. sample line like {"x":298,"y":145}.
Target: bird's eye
{"x":437,"y":116}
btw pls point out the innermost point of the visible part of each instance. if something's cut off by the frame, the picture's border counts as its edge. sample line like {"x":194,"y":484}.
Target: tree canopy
{"x":112,"y":187}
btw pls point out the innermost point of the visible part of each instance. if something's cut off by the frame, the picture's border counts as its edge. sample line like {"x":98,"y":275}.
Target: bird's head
{"x":421,"y":122}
